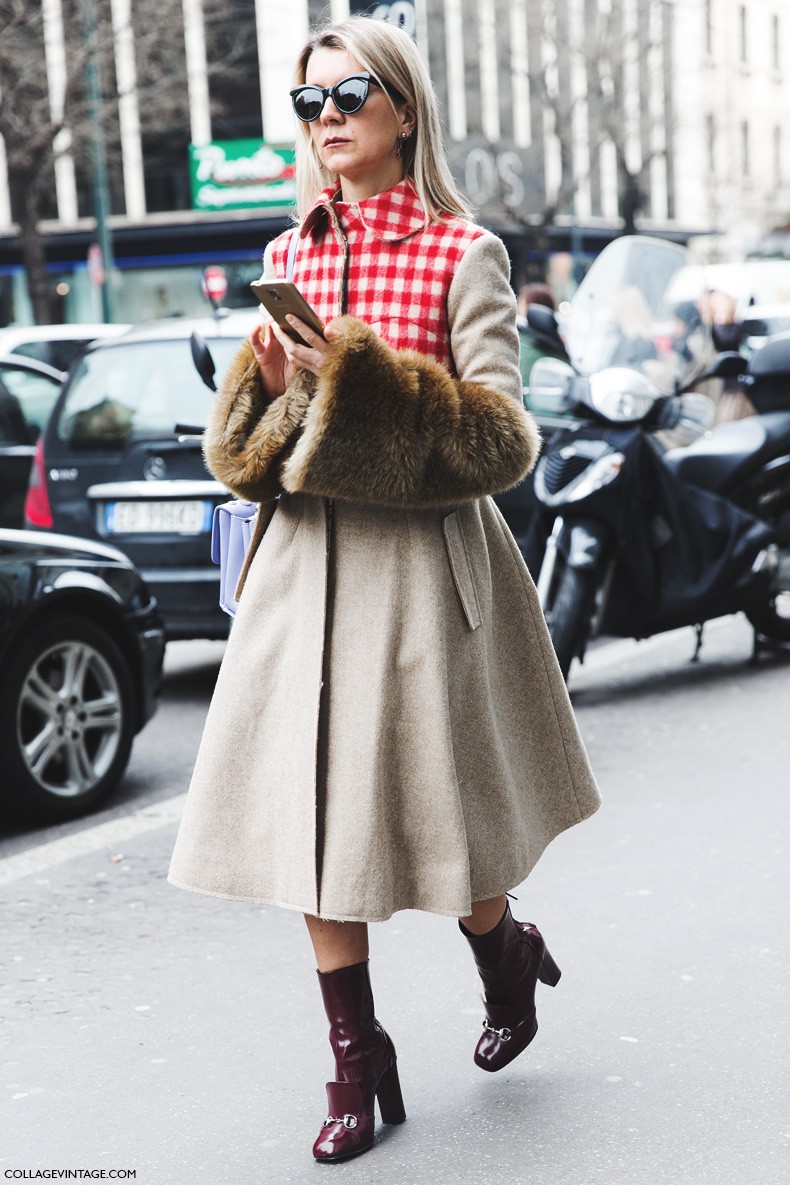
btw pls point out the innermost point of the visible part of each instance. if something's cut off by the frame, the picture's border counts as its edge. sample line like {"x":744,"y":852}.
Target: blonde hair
{"x":392,"y":58}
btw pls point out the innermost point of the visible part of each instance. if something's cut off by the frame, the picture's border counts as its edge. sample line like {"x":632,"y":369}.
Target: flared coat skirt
{"x":389,"y":728}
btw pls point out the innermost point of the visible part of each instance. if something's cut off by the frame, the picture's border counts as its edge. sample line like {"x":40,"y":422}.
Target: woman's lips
{"x":334,"y":143}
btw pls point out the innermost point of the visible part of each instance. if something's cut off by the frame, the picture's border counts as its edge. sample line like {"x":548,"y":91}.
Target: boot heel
{"x":549,"y":971}
{"x":389,"y":1096}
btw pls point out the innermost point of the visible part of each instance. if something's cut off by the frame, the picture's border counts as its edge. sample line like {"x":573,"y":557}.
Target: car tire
{"x":67,"y":720}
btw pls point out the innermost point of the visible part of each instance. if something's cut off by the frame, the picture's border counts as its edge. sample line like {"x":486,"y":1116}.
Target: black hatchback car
{"x":28,"y":391}
{"x":110,"y":465}
{"x":81,"y":648}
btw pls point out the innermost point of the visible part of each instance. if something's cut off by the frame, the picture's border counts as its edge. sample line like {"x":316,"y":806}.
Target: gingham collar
{"x":392,"y":215}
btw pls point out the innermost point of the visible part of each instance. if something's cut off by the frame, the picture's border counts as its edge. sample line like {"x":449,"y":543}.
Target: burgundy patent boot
{"x":365,"y":1066}
{"x":511,"y":959}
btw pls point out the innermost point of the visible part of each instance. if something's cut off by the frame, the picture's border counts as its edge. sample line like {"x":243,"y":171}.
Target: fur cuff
{"x":393,"y":428}
{"x":247,"y":435}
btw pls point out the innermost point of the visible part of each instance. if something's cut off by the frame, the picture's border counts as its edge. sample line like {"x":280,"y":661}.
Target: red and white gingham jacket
{"x":396,"y":271}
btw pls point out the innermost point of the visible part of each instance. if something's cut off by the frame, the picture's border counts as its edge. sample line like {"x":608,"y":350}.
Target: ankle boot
{"x":365,"y":1066}
{"x":510,"y":959}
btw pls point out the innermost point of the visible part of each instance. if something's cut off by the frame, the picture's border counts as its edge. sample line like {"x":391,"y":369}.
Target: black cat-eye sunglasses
{"x":349,"y":96}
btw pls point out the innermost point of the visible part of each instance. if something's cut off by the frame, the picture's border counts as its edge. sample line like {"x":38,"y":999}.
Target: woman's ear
{"x":408,"y":120}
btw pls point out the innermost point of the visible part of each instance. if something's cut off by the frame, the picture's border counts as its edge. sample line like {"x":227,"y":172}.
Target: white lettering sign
{"x":396,"y":12}
{"x":489,"y":176}
{"x":213,"y":165}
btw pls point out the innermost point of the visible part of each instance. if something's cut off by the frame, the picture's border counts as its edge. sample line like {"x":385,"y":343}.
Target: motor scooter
{"x":655,"y":520}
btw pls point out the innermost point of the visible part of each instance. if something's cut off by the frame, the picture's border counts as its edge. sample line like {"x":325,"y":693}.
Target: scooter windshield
{"x":634,"y":309}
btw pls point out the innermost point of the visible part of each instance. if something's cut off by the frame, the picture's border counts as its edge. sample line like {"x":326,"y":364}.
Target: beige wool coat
{"x":389,"y":729}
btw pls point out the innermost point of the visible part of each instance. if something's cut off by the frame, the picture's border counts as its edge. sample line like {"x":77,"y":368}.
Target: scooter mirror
{"x":551,"y":384}
{"x":725,"y":366}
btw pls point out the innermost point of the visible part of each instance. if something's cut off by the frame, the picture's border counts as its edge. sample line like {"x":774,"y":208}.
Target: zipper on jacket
{"x":329,"y":604}
{"x":339,"y":234}
{"x":322,"y":739}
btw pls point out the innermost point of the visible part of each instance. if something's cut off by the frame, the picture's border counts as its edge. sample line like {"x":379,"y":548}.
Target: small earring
{"x":404,"y":136}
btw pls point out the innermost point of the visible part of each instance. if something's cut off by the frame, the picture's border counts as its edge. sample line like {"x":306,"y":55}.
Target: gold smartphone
{"x":281,"y":297}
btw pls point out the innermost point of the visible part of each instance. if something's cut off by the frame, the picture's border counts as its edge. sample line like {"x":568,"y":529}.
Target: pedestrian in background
{"x":533,"y":344}
{"x":523,"y":511}
{"x":728,"y":335}
{"x":389,"y":729}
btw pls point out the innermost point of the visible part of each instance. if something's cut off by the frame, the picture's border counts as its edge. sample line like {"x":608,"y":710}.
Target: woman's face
{"x":359,"y":148}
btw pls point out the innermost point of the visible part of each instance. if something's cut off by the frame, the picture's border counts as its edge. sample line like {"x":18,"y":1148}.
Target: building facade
{"x":733,"y":127}
{"x":565,"y":120}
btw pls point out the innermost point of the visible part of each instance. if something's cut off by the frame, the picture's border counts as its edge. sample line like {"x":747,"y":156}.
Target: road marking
{"x":104,"y":835}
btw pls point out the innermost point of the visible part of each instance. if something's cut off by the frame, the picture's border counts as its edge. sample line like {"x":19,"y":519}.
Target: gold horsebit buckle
{"x":349,"y":1121}
{"x":503,"y":1034}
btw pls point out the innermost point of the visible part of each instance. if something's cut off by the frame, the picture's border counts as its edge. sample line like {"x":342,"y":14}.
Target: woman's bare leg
{"x":365,"y":1062}
{"x":485,"y":915}
{"x":341,"y":944}
{"x":337,"y":944}
{"x":511,"y":957}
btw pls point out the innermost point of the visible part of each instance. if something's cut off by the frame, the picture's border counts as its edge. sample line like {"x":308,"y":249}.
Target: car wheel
{"x":66,"y":720}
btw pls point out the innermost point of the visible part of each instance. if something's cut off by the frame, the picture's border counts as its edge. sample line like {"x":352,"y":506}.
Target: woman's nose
{"x":329,"y":112}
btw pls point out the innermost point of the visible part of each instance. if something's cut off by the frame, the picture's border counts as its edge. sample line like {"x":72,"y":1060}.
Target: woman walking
{"x":389,"y":728}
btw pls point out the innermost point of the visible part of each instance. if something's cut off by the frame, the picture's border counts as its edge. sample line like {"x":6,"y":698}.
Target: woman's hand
{"x":275,"y":369}
{"x":313,"y":355}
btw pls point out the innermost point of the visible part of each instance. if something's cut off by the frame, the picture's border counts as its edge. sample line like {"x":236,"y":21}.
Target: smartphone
{"x":280,"y":297}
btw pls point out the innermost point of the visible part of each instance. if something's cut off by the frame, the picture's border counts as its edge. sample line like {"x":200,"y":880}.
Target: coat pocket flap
{"x":461,"y":569}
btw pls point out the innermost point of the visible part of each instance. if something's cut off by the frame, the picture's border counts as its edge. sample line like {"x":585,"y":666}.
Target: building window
{"x":776,"y":42}
{"x":746,"y":165}
{"x":743,"y":33}
{"x":778,"y":163}
{"x":235,"y":106}
{"x":709,"y":27}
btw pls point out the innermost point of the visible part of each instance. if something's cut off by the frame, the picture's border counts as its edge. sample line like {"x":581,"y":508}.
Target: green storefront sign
{"x":240,"y":174}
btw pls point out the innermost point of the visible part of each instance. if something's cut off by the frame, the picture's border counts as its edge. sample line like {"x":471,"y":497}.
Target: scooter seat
{"x":719,"y":459}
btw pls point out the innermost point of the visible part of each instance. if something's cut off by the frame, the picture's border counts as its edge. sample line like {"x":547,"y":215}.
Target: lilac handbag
{"x":231,"y":532}
{"x":234,"y":522}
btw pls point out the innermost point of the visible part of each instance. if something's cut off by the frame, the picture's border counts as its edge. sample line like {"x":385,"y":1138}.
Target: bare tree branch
{"x":33,"y":140}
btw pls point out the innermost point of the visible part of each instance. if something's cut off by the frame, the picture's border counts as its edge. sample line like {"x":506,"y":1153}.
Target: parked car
{"x":763,"y":321}
{"x":81,"y":648}
{"x":111,"y":467}
{"x":56,"y":345}
{"x":28,"y":391}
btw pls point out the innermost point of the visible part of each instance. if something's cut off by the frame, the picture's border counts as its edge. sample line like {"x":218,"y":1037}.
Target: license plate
{"x":147,"y":518}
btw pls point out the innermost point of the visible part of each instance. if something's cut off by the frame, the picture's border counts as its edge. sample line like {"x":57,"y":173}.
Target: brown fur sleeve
{"x":247,"y":435}
{"x":395,"y":429}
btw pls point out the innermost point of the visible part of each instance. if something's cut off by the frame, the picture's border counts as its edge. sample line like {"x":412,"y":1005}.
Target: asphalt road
{"x":145,"y":1028}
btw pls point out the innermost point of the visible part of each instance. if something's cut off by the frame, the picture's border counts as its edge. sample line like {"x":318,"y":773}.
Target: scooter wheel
{"x":772,"y":621}
{"x":568,"y":615}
